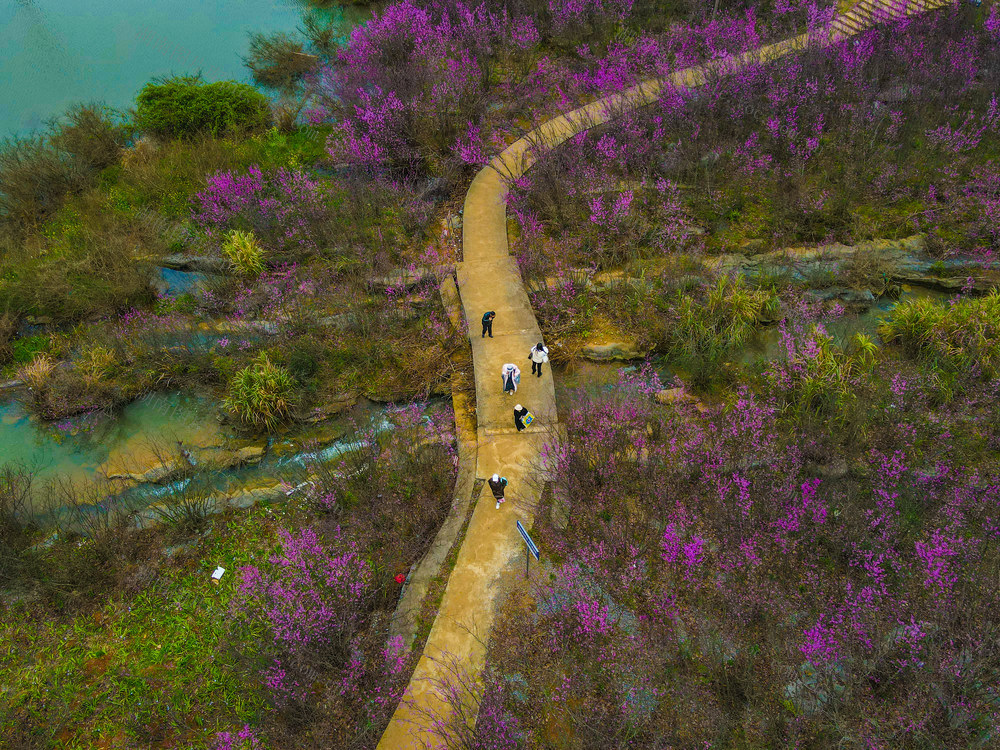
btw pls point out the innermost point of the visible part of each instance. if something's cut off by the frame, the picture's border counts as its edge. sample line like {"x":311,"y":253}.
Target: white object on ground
{"x":217,"y":575}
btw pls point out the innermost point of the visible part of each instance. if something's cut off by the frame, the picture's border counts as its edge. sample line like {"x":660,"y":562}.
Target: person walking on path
{"x":497,"y":484}
{"x":511,"y":376}
{"x":522,"y":417}
{"x":538,"y":355}
{"x":488,"y":323}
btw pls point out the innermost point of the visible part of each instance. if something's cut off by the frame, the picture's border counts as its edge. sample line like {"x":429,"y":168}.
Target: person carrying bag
{"x":538,"y":355}
{"x":510,"y":375}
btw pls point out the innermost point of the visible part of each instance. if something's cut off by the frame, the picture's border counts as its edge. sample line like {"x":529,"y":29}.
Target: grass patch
{"x":163,"y":666}
{"x":964,"y":336}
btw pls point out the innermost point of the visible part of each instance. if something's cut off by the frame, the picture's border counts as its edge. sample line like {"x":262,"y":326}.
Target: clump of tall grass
{"x":96,"y":362}
{"x":263,"y":394}
{"x":708,"y":328}
{"x":38,"y":373}
{"x":820,"y":379}
{"x":964,"y":336}
{"x":244,"y":252}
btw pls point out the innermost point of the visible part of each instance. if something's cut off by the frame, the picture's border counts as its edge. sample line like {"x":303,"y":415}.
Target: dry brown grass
{"x":37,"y":374}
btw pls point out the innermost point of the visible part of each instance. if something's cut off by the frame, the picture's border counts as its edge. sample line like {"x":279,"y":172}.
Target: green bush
{"x":185,"y":106}
{"x":707,"y":330}
{"x":244,"y":252}
{"x":37,"y":173}
{"x":263,"y":394}
{"x":92,"y":134}
{"x":959,"y":337}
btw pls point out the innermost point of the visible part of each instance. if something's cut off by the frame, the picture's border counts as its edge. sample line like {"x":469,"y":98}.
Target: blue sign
{"x":527,"y":540}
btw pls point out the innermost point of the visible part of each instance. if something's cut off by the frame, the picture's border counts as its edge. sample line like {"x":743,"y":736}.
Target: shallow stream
{"x":83,"y":451}
{"x":593,"y":377}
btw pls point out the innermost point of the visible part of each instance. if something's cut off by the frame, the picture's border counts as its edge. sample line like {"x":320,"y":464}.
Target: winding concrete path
{"x":488,"y":279}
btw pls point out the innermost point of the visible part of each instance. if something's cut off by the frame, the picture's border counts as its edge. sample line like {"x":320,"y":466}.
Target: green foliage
{"x":183,"y":303}
{"x":303,"y":364}
{"x":301,"y":147}
{"x":163,"y":664}
{"x":263,"y":394}
{"x":959,"y":337}
{"x":83,"y":263}
{"x":709,"y":328}
{"x":37,"y":173}
{"x":92,"y":134}
{"x":823,"y":381}
{"x":165,"y":176}
{"x":244,"y":252}
{"x":186,"y":106}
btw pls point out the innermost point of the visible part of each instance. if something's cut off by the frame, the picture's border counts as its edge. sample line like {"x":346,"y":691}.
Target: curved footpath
{"x":488,"y":279}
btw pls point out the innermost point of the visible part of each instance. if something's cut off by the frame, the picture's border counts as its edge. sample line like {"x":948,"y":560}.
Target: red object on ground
{"x":401,"y":578}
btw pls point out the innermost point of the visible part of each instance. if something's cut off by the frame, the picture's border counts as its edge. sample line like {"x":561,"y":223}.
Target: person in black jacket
{"x":488,"y":323}
{"x":519,"y":414}
{"x":497,"y":484}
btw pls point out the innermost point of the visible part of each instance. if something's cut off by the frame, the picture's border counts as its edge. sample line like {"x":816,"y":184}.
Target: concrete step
{"x":850,"y":25}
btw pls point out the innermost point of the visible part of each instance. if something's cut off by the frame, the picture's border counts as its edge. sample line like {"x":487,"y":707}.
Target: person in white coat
{"x":510,"y":374}
{"x":538,"y":355}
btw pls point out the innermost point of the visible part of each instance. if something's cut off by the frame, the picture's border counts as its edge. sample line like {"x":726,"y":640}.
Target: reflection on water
{"x":58,"y":52}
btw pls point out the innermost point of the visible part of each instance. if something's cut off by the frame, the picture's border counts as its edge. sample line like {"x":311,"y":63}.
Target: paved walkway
{"x":488,"y":279}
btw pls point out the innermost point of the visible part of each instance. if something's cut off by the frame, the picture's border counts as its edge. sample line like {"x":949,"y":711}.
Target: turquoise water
{"x":74,"y":449}
{"x":57,"y":52}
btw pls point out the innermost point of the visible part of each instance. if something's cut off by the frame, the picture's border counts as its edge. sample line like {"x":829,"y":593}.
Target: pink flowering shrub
{"x":314,"y":602}
{"x":409,"y":82}
{"x":244,"y":739}
{"x":706,"y":561}
{"x":283,"y":208}
{"x":755,"y":147}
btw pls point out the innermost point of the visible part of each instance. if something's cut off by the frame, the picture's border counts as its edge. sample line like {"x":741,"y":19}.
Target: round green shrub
{"x":244,"y":252}
{"x":263,"y":394}
{"x":184,"y":106}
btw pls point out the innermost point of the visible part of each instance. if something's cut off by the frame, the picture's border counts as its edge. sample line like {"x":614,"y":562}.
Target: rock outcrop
{"x":198,"y":263}
{"x":613,"y":351}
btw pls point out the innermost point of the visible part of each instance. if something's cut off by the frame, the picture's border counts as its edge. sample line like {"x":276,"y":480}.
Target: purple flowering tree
{"x":284,"y":208}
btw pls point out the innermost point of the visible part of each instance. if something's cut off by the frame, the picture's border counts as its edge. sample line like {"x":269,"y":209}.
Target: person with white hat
{"x":511,"y":376}
{"x":497,"y":484}
{"x":522,"y":417}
